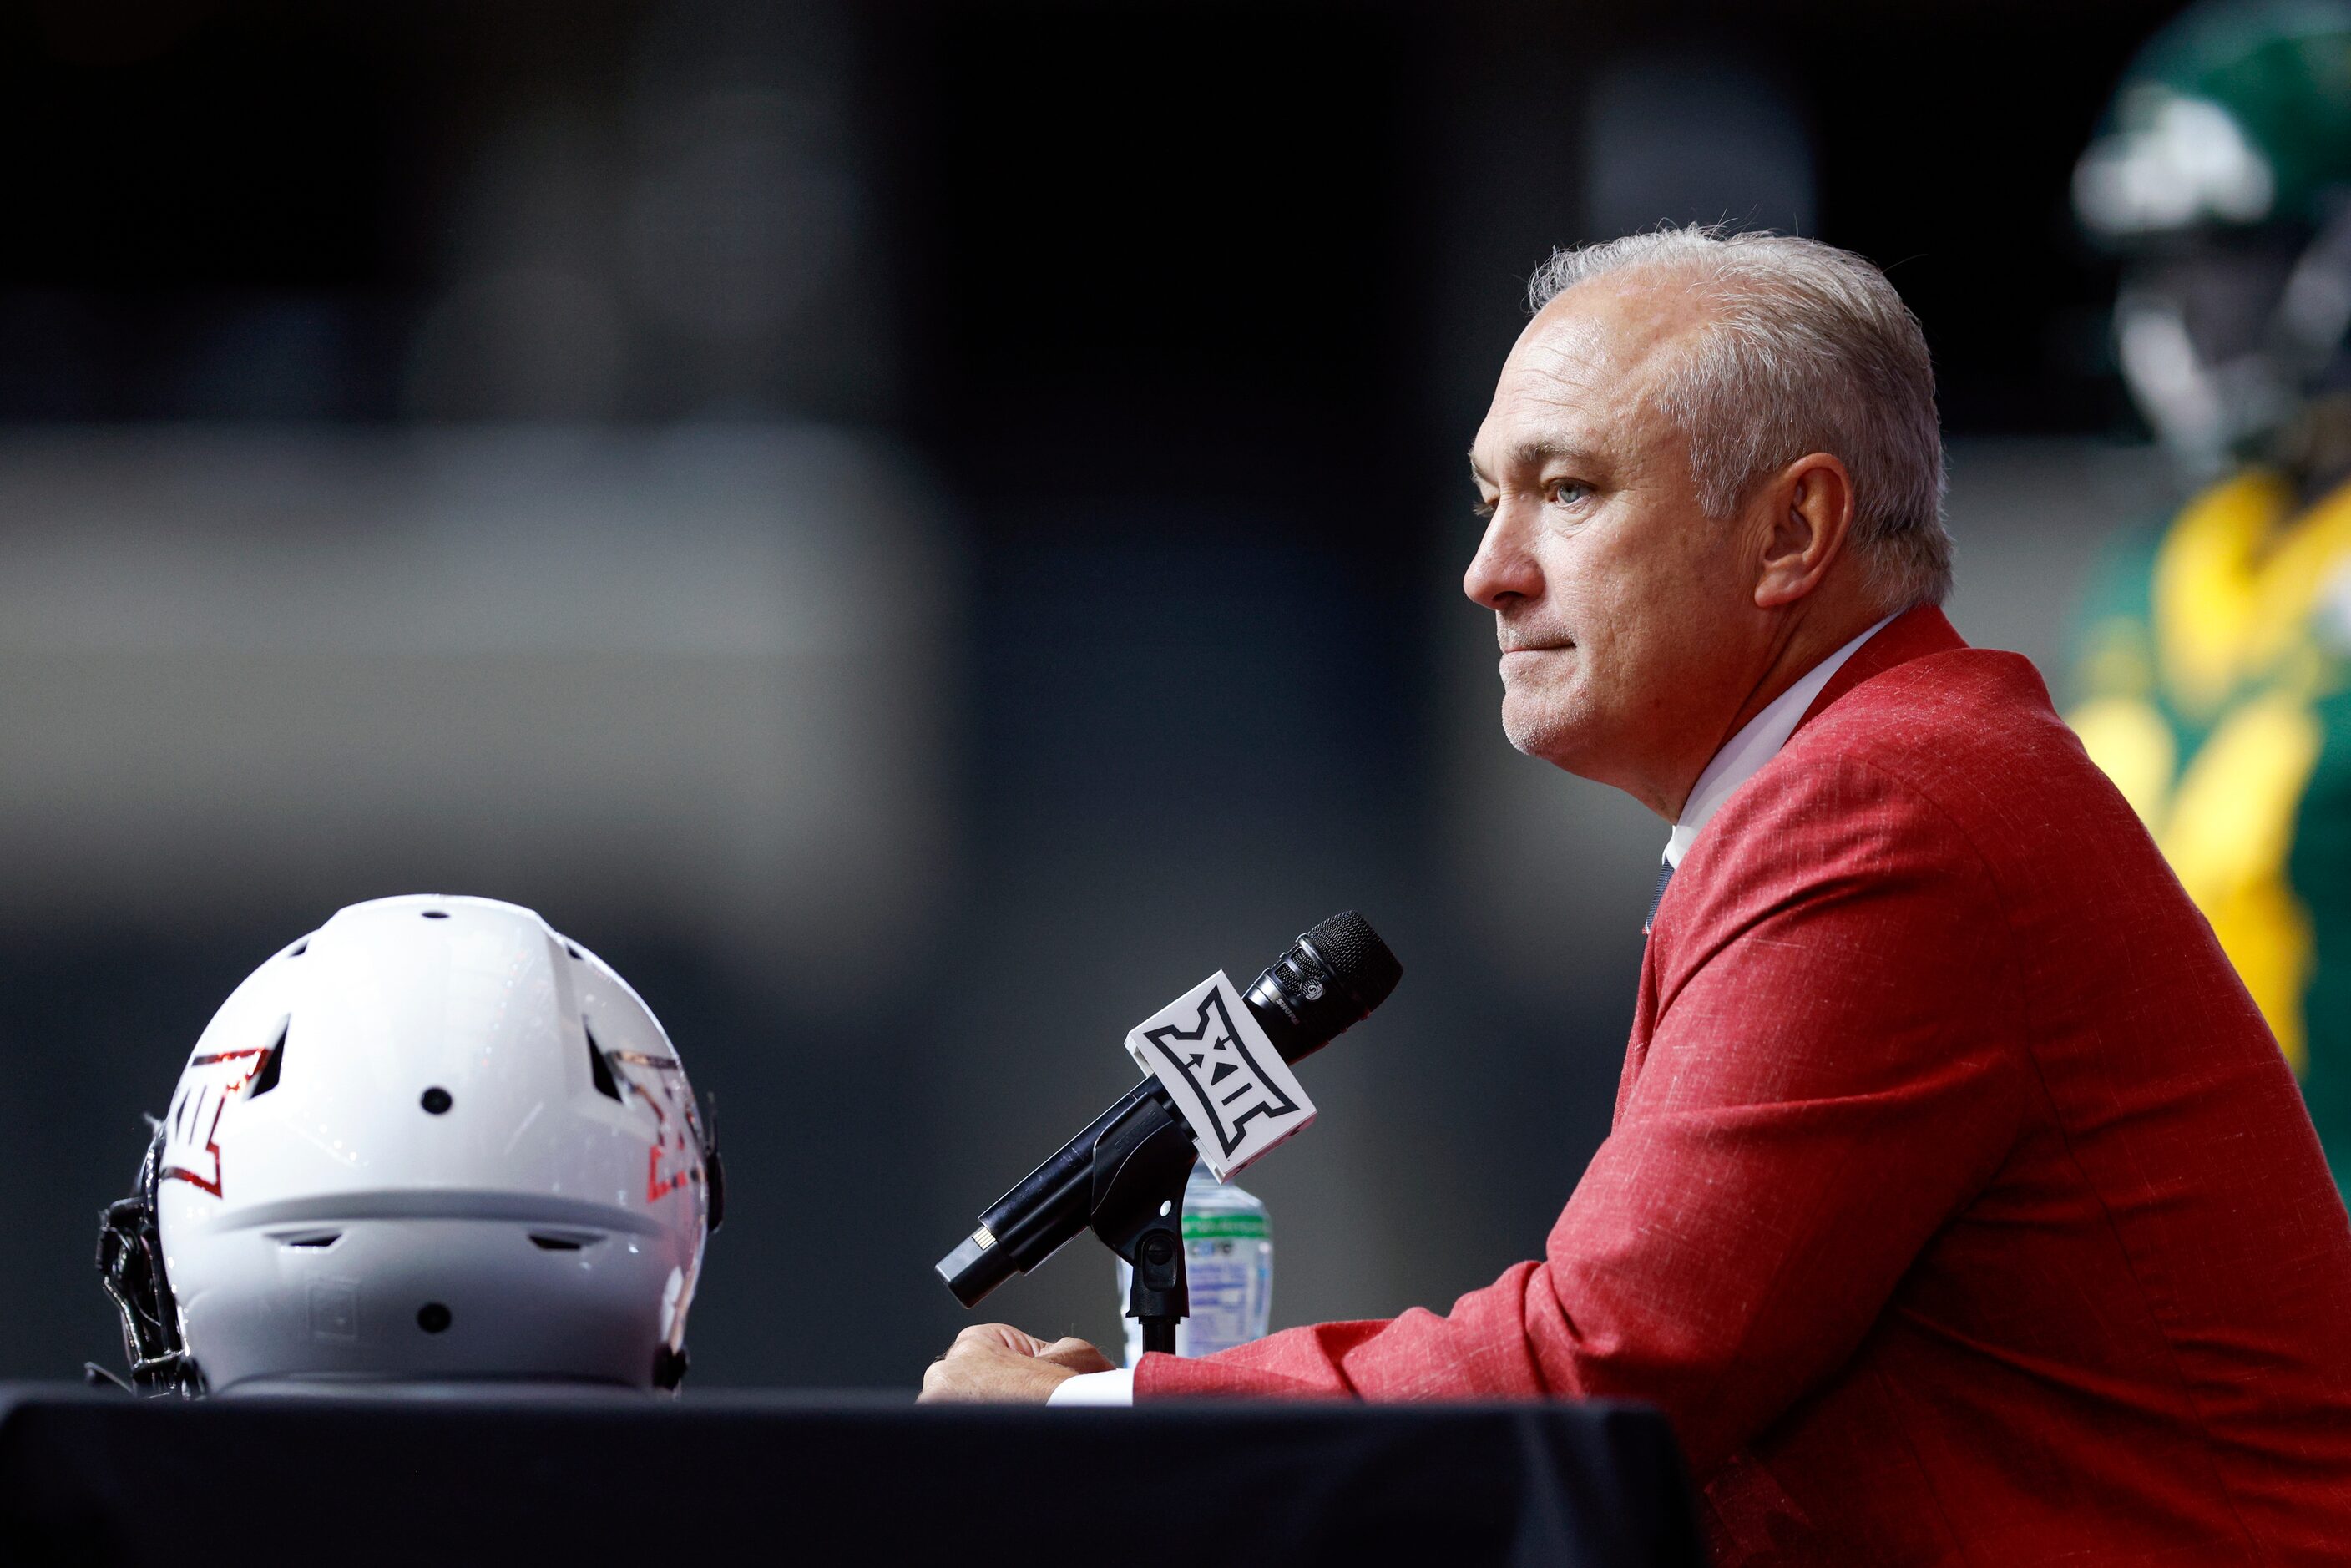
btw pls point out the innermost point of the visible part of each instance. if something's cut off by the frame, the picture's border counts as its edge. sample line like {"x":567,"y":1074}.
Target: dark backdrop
{"x":1177,"y":317}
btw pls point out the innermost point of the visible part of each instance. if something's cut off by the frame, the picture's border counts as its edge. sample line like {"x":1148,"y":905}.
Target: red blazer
{"x":1959,"y":1207}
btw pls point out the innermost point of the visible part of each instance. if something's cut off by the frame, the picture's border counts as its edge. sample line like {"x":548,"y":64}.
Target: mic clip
{"x":1141,"y":1163}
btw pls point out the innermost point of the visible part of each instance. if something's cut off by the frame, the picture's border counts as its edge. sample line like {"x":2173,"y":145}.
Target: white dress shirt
{"x":1115,"y":1388}
{"x":1743,"y":757}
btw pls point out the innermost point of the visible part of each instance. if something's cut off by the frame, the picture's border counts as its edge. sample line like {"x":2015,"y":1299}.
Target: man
{"x":1926,"y":1215}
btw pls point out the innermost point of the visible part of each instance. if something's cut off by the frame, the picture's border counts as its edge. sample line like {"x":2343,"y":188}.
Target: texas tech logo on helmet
{"x":191,"y":1130}
{"x":1225,"y":1078}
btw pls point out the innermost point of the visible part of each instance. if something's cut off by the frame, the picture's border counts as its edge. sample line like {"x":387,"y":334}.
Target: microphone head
{"x":1356,"y":957}
{"x":1331,"y":978}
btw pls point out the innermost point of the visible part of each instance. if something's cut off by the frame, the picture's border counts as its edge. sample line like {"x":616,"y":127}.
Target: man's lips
{"x":1527,"y":658}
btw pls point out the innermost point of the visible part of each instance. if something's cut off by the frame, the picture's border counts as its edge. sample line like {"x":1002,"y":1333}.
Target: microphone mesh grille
{"x":1358,"y":957}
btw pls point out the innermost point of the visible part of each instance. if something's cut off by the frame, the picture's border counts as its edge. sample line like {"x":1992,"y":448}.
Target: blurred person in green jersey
{"x":2213,"y":677}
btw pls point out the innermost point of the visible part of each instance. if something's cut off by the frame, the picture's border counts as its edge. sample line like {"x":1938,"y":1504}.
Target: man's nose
{"x":1503,"y":570}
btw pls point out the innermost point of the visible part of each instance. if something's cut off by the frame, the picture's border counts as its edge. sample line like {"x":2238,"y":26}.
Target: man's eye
{"x":1482,"y":507}
{"x":1567,"y":492}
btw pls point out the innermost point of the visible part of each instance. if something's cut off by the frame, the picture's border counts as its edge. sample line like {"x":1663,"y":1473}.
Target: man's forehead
{"x":1582,"y":364}
{"x":1615,"y":325}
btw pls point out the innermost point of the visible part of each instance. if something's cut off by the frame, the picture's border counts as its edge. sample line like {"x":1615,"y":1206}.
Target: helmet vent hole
{"x":272,"y":1063}
{"x":601,"y":1070}
{"x":577,"y":954}
{"x":299,"y":949}
{"x":436,"y":915}
{"x":315,"y":1238}
{"x":555,"y":1243}
{"x":435,"y":1100}
{"x":433,"y":1317}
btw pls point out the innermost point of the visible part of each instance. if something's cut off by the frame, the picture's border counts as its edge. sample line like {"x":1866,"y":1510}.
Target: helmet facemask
{"x":131,"y":1266}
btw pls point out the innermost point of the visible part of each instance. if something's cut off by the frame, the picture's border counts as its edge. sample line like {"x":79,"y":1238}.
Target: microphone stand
{"x":1141,"y":1162}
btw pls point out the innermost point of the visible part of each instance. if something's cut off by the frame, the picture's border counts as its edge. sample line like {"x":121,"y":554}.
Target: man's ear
{"x":1808,"y":512}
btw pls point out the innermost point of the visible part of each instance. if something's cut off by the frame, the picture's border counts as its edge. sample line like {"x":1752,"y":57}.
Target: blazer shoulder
{"x":1976,"y":712}
{"x":1910,"y":797}
{"x":1970,"y":735}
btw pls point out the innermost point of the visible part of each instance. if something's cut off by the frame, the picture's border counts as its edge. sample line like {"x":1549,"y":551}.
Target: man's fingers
{"x":998,"y":1362}
{"x":993,"y":1363}
{"x":1077,"y":1355}
{"x":986,"y":1339}
{"x":996,"y":1339}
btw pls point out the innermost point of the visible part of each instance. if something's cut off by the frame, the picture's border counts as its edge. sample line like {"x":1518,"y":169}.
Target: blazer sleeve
{"x":1834,"y":1068}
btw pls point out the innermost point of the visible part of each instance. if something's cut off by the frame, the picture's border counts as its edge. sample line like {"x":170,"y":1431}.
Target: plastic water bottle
{"x":1228,"y":1267}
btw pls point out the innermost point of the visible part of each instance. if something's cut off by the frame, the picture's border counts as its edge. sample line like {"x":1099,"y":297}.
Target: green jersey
{"x":2213,"y":684}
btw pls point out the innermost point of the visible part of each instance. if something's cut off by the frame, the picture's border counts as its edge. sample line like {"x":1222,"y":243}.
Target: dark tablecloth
{"x":722,"y":1477}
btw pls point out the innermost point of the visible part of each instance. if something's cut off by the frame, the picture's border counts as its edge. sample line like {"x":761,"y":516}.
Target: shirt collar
{"x":1756,"y":743}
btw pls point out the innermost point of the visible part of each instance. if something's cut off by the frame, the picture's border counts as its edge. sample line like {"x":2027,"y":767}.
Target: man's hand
{"x":995,"y":1363}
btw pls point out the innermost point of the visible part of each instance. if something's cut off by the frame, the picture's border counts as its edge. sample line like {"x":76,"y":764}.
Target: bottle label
{"x":1230,"y":1280}
{"x":1226,"y":1227}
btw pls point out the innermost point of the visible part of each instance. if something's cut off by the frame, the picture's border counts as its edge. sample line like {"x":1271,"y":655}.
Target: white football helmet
{"x":433,"y":1141}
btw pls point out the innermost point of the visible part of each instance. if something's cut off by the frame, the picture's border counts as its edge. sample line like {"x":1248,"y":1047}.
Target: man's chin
{"x":1543,"y":732}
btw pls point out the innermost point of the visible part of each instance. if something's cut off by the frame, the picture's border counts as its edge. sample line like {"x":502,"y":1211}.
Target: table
{"x":790,"y":1479}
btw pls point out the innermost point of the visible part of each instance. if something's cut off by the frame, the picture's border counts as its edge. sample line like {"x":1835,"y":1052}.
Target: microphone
{"x":1330,"y":979}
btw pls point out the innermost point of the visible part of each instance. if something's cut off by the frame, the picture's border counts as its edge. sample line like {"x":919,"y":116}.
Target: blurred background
{"x":917,"y":530}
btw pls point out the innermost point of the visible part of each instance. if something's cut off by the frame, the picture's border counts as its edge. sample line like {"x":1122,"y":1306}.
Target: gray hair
{"x":1809,"y":349}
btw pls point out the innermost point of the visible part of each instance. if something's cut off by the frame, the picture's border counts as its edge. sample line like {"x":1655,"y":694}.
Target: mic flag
{"x":1225,"y":1077}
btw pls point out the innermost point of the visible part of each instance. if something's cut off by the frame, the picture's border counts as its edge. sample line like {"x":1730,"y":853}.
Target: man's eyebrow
{"x":1536,"y":450}
{"x":1533,"y":452}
